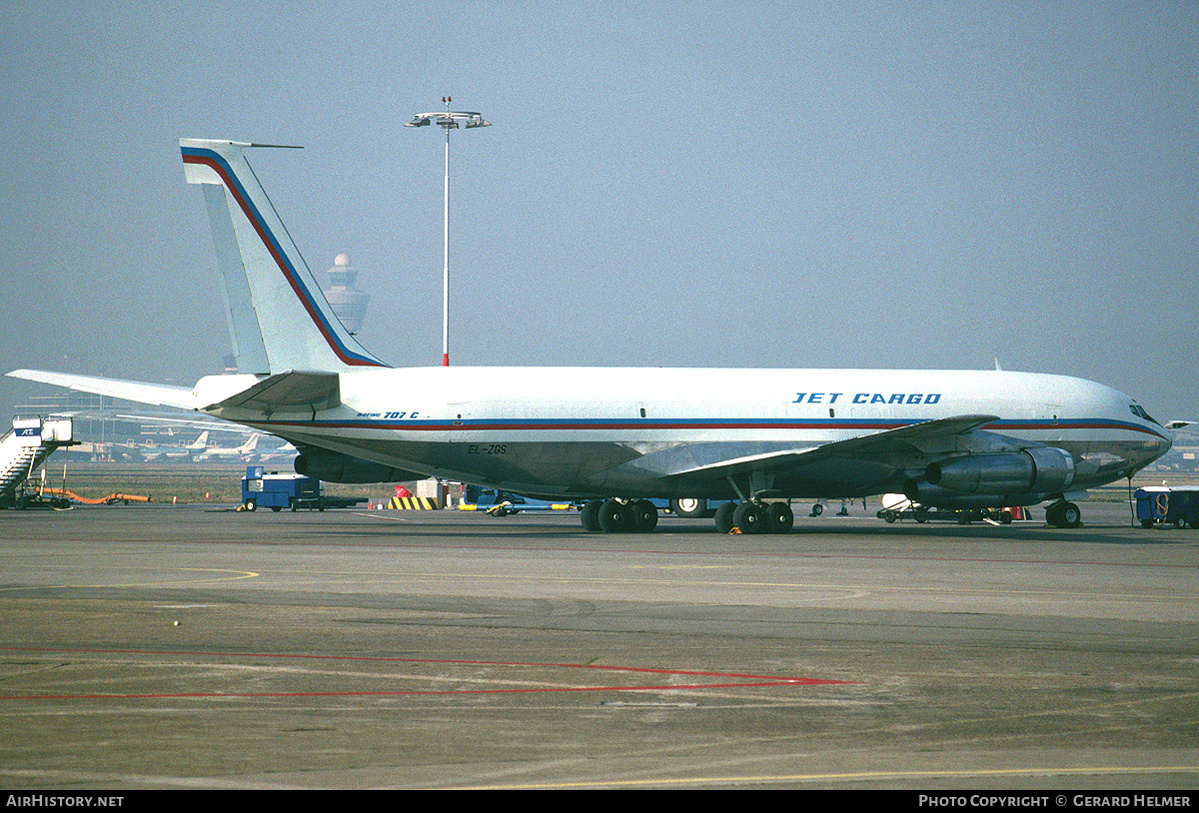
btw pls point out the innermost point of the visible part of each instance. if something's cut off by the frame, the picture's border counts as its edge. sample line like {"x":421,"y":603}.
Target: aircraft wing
{"x":928,"y":437}
{"x":880,"y":451}
{"x":157,"y":394}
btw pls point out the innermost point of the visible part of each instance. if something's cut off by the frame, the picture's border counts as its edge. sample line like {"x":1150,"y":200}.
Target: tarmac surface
{"x":152,"y":646}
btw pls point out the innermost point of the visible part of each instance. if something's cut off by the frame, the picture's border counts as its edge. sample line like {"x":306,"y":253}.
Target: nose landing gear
{"x":1062,"y":514}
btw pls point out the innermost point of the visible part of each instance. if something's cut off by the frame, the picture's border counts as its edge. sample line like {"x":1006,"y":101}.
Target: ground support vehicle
{"x":962,"y":516}
{"x":1162,"y":505}
{"x":897,"y":507}
{"x":504,"y":503}
{"x":278,"y":491}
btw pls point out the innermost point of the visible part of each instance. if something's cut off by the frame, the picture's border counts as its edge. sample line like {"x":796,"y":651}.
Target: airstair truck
{"x":26,"y":447}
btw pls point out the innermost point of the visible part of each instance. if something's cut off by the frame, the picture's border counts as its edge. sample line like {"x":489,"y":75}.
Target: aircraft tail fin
{"x":278,"y":317}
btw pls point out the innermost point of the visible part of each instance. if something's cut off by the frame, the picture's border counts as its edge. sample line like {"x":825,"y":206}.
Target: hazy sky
{"x":697,"y":184}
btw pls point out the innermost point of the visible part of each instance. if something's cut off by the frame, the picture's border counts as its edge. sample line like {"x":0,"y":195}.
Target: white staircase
{"x":26,"y":447}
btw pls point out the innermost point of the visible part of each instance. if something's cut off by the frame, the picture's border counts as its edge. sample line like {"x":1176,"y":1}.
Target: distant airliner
{"x":230,"y":452}
{"x":176,"y":452}
{"x":616,"y":436}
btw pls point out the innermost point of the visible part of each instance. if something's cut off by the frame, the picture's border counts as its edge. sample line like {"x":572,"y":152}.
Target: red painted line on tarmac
{"x":740,"y":680}
{"x":185,"y":695}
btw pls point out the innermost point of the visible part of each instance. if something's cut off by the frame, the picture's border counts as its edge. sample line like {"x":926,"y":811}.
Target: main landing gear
{"x":1062,"y":514}
{"x":755,"y":517}
{"x":620,"y":516}
{"x":641,"y":516}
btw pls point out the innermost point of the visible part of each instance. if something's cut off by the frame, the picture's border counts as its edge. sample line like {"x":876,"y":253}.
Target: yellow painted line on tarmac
{"x":384,"y":578}
{"x":237,"y":575}
{"x":440,"y":577}
{"x":857,"y":589}
{"x":390,"y":516}
{"x":679,"y":567}
{"x":424,"y":577}
{"x":758,"y":779}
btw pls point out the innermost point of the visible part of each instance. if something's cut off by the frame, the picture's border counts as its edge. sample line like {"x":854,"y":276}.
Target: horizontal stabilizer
{"x":142,"y":393}
{"x":288,"y":391}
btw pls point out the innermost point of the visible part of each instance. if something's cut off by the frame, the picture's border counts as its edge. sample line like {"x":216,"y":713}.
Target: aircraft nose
{"x":1156,"y":448}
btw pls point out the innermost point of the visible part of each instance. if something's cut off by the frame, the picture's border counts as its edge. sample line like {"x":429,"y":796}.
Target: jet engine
{"x":333,"y":467}
{"x":990,"y":480}
{"x":1039,"y":470}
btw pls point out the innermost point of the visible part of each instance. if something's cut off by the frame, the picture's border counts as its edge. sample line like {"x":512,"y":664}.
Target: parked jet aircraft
{"x":241,"y":452}
{"x":156,"y":453}
{"x":617,"y":436}
{"x":283,"y":453}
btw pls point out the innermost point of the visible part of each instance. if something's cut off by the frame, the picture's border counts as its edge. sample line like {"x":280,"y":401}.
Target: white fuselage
{"x":648,"y":432}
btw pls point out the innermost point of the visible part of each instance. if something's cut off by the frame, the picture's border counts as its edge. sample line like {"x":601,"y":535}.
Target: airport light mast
{"x":447,"y":120}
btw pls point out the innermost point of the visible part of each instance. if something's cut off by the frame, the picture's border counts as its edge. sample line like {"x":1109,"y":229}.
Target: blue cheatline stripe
{"x":193,"y":155}
{"x":575,"y":424}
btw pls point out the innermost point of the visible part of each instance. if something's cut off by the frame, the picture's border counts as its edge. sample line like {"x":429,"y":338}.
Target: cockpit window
{"x":1140,"y":412}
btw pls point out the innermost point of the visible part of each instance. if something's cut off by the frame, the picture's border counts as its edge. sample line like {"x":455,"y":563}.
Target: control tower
{"x":348,"y":303}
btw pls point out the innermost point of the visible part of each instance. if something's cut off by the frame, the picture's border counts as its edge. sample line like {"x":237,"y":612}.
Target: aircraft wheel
{"x":689,"y":507}
{"x":780,"y":519}
{"x":251,"y":505}
{"x":615,"y":517}
{"x":724,"y":517}
{"x":748,"y":517}
{"x":590,"y":515}
{"x":817,"y":510}
{"x":1063,"y":515}
{"x":645,"y":516}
